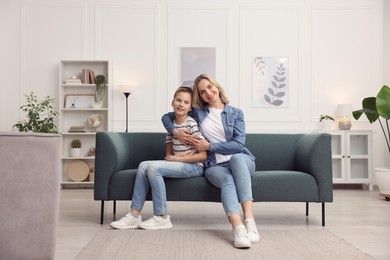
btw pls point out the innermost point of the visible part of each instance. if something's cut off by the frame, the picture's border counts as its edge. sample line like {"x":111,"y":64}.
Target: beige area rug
{"x":217,"y":244}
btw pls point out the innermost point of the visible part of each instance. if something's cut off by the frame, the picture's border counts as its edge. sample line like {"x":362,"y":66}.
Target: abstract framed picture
{"x":270,"y":82}
{"x":78,"y":100}
{"x":195,"y":61}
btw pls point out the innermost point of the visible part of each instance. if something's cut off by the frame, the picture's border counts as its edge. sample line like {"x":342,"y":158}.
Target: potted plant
{"x":75,"y":148}
{"x":40,"y":115}
{"x":100,"y":82}
{"x":376,"y":108}
{"x":326,"y":122}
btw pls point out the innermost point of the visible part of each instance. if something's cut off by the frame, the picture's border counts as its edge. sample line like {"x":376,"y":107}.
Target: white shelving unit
{"x":82,"y":96}
{"x":352,"y":156}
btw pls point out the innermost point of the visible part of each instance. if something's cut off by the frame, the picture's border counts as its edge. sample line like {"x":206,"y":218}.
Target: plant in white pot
{"x":75,"y":148}
{"x":376,"y":108}
{"x":99,"y":91}
{"x":326,"y":122}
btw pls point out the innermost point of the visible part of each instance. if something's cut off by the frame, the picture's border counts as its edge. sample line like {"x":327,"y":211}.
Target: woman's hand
{"x":200,"y":144}
{"x":183,"y":135}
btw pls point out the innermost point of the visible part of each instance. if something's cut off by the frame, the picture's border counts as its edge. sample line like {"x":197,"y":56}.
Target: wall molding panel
{"x":275,"y":26}
{"x":41,"y":42}
{"x":134,"y":54}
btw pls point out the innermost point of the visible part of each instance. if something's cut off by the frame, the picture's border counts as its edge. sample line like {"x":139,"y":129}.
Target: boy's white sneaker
{"x":253,"y":234}
{"x":127,"y":222}
{"x":240,"y":237}
{"x":157,"y":222}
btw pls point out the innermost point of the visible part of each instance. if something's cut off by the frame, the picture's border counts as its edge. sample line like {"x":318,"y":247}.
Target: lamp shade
{"x":344,"y":110}
{"x":126,"y":88}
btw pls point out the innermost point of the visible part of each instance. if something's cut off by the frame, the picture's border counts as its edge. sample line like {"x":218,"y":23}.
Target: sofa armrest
{"x":314,"y":156}
{"x":112,"y":155}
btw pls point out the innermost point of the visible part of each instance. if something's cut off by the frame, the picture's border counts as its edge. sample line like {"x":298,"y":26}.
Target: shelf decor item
{"x":376,"y":108}
{"x":326,"y":122}
{"x":78,"y":170}
{"x":94,"y":122}
{"x":100,"y":82}
{"x":75,"y":148}
{"x":40,"y":115}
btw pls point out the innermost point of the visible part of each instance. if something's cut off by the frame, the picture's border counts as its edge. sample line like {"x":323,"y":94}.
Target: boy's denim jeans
{"x":151,"y":174}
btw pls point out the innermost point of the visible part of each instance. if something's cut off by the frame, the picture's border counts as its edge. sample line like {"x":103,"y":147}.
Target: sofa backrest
{"x":273,"y":151}
{"x":145,"y":146}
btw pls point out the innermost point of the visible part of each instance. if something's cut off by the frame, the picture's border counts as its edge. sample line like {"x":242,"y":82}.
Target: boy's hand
{"x":177,"y":156}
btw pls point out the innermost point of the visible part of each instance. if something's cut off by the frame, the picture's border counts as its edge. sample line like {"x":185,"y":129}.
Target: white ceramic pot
{"x":97,"y":104}
{"x":326,"y":124}
{"x":75,"y":152}
{"x":382,"y":179}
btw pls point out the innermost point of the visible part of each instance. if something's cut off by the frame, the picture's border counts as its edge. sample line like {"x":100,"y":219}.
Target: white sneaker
{"x":240,"y":237}
{"x":127,"y":222}
{"x":253,"y":234}
{"x":157,"y":222}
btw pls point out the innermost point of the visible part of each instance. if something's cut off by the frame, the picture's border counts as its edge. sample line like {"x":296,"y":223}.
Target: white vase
{"x":382,"y":179}
{"x":97,"y":104}
{"x":75,"y":152}
{"x":326,"y":124}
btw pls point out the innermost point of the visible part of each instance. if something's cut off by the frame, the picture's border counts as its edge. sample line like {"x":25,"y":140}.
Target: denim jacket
{"x":234,"y":127}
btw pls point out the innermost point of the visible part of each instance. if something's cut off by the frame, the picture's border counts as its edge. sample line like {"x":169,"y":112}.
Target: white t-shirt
{"x":212,"y":129}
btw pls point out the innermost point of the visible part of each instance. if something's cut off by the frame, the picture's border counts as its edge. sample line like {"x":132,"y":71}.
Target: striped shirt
{"x":177,"y":146}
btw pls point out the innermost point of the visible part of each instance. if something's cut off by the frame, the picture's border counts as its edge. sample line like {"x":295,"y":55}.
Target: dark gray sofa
{"x":289,"y":167}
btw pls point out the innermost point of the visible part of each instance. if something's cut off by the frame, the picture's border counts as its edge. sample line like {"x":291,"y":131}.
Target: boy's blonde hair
{"x":197,"y":100}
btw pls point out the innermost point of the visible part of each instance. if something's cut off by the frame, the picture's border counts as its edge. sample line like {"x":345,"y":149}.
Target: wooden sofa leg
{"x":307,"y":208}
{"x":101,"y":212}
{"x":323,"y":214}
{"x":114,"y":207}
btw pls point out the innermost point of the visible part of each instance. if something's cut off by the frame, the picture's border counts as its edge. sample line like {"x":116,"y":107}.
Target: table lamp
{"x":343,"y":114}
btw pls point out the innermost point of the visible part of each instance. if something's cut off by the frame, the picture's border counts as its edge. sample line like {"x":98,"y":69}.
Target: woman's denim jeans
{"x":234,"y":180}
{"x":151,"y":174}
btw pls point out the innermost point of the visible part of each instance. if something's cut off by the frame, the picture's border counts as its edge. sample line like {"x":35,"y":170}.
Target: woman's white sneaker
{"x":240,"y":237}
{"x":127,"y":222}
{"x":253,"y":234}
{"x":157,"y":222}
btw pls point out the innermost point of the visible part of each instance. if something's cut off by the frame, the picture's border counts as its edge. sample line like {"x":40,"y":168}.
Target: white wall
{"x":335,"y":51}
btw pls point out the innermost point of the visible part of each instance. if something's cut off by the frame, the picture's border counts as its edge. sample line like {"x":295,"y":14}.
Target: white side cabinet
{"x":351,"y":157}
{"x":77,"y":119}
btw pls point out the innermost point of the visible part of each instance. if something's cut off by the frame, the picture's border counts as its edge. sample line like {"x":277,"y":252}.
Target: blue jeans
{"x":234,"y":180}
{"x":151,"y":174}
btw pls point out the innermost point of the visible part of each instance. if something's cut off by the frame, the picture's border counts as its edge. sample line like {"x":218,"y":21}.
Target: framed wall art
{"x":270,"y":82}
{"x":78,"y":100}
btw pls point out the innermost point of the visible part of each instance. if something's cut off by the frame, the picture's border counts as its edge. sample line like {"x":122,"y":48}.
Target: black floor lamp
{"x":126,"y":90}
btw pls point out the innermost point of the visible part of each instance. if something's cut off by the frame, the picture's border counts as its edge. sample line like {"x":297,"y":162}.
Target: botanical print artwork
{"x":270,"y":82}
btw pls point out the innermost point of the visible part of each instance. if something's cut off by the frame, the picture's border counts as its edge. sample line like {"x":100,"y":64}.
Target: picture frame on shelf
{"x":78,"y":100}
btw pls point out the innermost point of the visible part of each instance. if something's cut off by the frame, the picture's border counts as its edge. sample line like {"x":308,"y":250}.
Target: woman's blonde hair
{"x":197,"y":100}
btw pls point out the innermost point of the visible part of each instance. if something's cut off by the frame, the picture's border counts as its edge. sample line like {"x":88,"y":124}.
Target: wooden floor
{"x":360,"y":217}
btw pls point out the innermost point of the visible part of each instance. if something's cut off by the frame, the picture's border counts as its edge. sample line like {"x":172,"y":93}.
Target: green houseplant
{"x":326,"y":122}
{"x":378,"y":109}
{"x":100,"y":82}
{"x":75,"y":146}
{"x":40,"y":115}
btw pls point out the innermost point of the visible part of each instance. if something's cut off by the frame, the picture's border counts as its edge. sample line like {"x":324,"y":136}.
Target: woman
{"x":181,"y":161}
{"x":229,"y":164}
